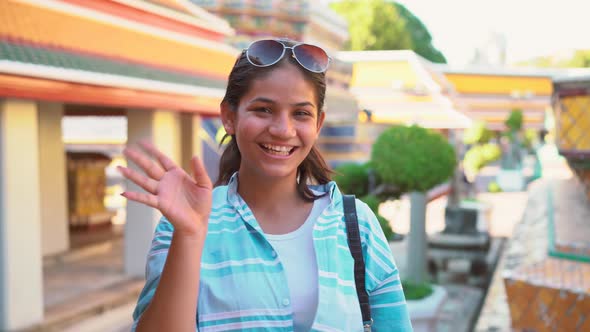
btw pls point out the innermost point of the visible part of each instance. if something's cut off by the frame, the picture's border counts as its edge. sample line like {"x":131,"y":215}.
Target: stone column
{"x":191,"y":141}
{"x":163,"y":128}
{"x":21,"y":274}
{"x":54,"y":182}
{"x":417,"y":240}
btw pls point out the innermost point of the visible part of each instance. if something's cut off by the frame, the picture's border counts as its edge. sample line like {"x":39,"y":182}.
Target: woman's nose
{"x":282,"y":127}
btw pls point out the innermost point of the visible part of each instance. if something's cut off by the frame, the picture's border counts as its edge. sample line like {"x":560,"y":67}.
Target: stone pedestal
{"x":461,"y":258}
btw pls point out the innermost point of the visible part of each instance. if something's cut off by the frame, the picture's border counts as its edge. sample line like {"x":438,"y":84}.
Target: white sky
{"x":531,"y":27}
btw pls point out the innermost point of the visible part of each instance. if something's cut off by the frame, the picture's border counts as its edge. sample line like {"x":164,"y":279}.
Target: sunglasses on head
{"x":267,"y":52}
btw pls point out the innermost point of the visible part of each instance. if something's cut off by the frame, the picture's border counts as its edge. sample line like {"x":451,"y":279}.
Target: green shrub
{"x":514,"y":120}
{"x":478,"y":133}
{"x":414,"y":291}
{"x":373,"y":203}
{"x":479,"y":156}
{"x":387,"y":231}
{"x":413,"y":158}
{"x":494,"y":187}
{"x":352,"y":178}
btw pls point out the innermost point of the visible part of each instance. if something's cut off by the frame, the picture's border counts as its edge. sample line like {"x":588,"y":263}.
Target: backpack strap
{"x":354,"y":243}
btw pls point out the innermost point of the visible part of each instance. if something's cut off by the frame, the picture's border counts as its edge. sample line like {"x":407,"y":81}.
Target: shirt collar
{"x":242,"y":208}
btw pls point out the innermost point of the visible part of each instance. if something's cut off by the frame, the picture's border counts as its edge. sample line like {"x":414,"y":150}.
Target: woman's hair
{"x":314,"y":168}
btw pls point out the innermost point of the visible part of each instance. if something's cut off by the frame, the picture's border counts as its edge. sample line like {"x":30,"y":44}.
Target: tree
{"x":414,"y":159}
{"x":512,"y":158}
{"x":386,"y":25}
{"x":579,"y":58}
{"x":420,"y":36}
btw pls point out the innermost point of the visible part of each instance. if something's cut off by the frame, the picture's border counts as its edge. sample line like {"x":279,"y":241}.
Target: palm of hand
{"x":184,"y":200}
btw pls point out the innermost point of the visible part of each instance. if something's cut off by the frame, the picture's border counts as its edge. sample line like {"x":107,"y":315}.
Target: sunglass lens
{"x":264,"y":52}
{"x":311,"y":57}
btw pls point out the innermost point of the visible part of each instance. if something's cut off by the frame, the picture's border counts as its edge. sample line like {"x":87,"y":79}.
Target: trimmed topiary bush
{"x":478,"y":133}
{"x":514,"y":120}
{"x":479,"y":156}
{"x":352,"y":178}
{"x":413,"y":158}
{"x":416,"y":291}
{"x":373,"y":203}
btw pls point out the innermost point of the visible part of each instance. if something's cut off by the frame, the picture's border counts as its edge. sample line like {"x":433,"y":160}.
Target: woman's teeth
{"x":277,"y":149}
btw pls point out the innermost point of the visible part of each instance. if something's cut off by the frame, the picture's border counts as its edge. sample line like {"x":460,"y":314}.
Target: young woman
{"x":266,"y":250}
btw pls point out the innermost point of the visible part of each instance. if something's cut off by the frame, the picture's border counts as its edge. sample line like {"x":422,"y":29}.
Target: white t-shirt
{"x":297,"y":255}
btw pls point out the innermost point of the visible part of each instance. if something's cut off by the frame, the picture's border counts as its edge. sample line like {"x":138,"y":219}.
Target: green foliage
{"x":420,"y":36}
{"x":386,"y":25}
{"x":416,"y":291}
{"x":514,"y":120}
{"x":494,"y":187}
{"x":352,"y":178}
{"x":387,"y":231}
{"x":373,"y":203}
{"x":580,"y":58}
{"x":477,"y":134}
{"x":413,"y":158}
{"x":479,"y":156}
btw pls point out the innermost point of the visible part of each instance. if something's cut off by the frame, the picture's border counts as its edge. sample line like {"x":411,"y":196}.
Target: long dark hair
{"x":314,"y":168}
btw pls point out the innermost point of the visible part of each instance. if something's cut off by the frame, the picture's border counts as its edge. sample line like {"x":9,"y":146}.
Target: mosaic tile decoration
{"x":552,"y":295}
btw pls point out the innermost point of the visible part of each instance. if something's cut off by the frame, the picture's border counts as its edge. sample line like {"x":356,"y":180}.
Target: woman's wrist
{"x":191,"y":236}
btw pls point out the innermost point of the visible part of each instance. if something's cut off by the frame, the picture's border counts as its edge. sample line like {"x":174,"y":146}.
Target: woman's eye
{"x":262,"y":110}
{"x":302,"y":113}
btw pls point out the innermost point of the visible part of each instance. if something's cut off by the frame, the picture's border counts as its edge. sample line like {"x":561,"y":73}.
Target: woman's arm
{"x":173,"y":271}
{"x":174,"y":304}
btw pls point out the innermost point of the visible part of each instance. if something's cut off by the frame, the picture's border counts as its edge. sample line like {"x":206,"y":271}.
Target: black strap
{"x":354,"y":243}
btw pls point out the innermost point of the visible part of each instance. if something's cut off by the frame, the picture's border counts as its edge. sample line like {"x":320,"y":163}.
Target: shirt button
{"x":274,"y":253}
{"x":286,"y":302}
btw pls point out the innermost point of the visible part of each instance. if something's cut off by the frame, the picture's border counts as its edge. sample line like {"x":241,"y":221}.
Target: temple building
{"x":161,"y":65}
{"x":308,"y":21}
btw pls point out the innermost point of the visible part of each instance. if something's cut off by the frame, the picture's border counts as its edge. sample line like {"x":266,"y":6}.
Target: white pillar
{"x":163,"y":129}
{"x":21,"y":276}
{"x":191,"y":142}
{"x":52,"y":174}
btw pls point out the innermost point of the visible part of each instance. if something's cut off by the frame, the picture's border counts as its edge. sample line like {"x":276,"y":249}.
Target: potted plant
{"x":424,"y":302}
{"x":511,"y":177}
{"x":415,"y":160}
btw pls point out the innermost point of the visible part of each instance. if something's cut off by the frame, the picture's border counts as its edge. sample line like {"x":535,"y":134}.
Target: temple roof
{"x":161,"y":46}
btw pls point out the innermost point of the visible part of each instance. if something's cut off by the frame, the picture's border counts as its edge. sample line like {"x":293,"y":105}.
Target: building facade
{"x":160,"y":64}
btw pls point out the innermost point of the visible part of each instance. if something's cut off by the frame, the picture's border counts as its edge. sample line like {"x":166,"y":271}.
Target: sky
{"x":531,"y":27}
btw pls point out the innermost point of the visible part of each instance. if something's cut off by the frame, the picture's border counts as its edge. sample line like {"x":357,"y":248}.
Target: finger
{"x":200,"y":173}
{"x":146,"y":164}
{"x":166,"y":162}
{"x":148,"y":184}
{"x":147,"y":199}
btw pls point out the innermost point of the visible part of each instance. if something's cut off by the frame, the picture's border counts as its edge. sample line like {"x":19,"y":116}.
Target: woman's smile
{"x":278,"y":150}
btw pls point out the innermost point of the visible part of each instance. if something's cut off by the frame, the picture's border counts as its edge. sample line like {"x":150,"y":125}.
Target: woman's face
{"x":276,"y":123}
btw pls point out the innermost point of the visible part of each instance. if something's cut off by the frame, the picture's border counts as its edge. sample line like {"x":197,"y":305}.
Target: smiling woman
{"x":267,"y":249}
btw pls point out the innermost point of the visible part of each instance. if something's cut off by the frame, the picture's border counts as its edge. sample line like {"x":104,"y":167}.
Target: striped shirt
{"x":243,"y":285}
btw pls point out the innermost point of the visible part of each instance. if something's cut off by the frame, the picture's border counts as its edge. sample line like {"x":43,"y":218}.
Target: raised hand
{"x":184,"y":200}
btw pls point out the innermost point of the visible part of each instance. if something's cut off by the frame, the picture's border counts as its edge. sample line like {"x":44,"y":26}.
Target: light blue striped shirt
{"x":243,"y":285}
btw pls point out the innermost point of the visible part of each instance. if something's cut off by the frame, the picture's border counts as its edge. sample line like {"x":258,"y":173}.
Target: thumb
{"x":200,"y":173}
